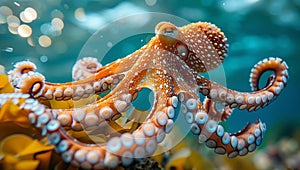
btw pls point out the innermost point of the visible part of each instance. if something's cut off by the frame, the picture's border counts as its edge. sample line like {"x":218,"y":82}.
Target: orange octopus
{"x":169,"y":64}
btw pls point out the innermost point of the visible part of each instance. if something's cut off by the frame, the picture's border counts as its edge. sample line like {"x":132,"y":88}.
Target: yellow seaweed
{"x":26,"y":164}
{"x":5,"y":86}
{"x":10,"y":112}
{"x":19,"y":152}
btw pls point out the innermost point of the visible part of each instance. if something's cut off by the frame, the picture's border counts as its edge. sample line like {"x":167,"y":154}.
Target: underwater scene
{"x":149,"y":84}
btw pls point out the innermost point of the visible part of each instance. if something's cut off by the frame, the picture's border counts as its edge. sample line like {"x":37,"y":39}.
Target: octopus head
{"x":201,"y":45}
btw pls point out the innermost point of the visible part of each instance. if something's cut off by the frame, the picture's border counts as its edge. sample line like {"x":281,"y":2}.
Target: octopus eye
{"x":182,"y":51}
{"x":166,"y":29}
{"x":170,"y":32}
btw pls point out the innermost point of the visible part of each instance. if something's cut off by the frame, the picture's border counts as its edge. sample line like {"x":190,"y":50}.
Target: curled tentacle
{"x":216,"y":137}
{"x":20,"y":68}
{"x":252,"y":100}
{"x":272,"y":65}
{"x":85,"y":67}
{"x":31,"y":83}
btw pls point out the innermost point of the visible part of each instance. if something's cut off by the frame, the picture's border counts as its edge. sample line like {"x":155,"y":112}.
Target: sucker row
{"x":252,"y":100}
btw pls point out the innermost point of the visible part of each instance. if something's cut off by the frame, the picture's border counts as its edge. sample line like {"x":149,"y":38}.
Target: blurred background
{"x":51,"y":33}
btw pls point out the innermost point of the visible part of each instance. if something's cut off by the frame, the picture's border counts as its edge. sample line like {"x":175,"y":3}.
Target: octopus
{"x":170,"y":65}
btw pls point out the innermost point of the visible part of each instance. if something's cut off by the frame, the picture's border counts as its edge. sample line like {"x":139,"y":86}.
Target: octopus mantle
{"x":169,"y":64}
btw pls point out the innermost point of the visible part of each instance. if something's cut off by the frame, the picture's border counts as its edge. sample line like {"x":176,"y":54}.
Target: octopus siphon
{"x":170,"y":65}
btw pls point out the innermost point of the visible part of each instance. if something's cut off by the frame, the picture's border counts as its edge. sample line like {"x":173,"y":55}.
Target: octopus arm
{"x":122,"y":149}
{"x":215,"y":112}
{"x":251,"y":100}
{"x":94,"y":114}
{"x":80,"y":89}
{"x":33,"y":83}
{"x":93,"y":79}
{"x":110,"y":106}
{"x":214,"y":136}
{"x":236,"y":144}
{"x":85,"y":67}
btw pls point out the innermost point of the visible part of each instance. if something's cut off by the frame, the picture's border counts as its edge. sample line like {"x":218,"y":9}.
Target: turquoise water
{"x":256,"y":29}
